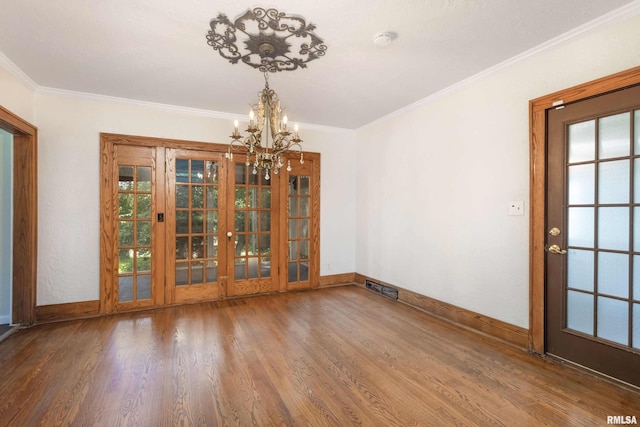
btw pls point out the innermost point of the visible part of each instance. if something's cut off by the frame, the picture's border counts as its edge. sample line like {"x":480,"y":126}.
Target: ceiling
{"x":156,"y":50}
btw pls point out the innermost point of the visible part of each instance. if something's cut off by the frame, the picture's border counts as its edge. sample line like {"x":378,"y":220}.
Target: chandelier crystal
{"x":269,"y":125}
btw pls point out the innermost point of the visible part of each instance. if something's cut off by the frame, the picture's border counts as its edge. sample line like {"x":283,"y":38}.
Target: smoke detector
{"x":383,"y":39}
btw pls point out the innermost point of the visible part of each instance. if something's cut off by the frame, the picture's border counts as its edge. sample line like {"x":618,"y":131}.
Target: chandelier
{"x":270,"y":41}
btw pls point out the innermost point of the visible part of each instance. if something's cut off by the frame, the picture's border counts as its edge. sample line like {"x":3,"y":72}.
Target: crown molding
{"x":623,"y":13}
{"x":17,"y":73}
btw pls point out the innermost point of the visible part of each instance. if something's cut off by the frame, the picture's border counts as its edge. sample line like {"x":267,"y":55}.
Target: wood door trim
{"x":538,"y":181}
{"x":25,"y":215}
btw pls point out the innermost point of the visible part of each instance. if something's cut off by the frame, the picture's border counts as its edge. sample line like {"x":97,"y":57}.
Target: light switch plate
{"x":516,"y":208}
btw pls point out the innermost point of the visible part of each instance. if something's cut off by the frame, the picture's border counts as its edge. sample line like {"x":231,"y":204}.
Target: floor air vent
{"x":383,"y":290}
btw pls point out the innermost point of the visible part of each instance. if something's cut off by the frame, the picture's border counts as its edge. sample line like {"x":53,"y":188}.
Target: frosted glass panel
{"x":580,"y":269}
{"x":613,"y":320}
{"x":614,"y":136}
{"x":613,"y":182}
{"x":582,"y":141}
{"x":636,"y":325}
{"x":613,"y":228}
{"x":580,"y":312}
{"x":581,"y":227}
{"x":581,"y":184}
{"x":613,"y":274}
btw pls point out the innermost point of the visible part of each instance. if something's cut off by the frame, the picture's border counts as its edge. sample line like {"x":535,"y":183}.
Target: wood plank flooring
{"x":332,"y":357}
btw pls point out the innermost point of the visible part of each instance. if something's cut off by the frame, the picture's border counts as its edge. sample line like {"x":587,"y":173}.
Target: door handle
{"x":555,"y":249}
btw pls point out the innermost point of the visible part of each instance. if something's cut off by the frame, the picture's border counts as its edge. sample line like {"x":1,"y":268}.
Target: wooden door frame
{"x":538,"y":182}
{"x":25,"y":215}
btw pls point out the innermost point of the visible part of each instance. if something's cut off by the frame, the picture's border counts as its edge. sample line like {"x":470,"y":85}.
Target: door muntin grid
{"x":252,"y":224}
{"x":602,"y":296}
{"x":134,"y":233}
{"x":298,"y":228}
{"x":196,"y":225}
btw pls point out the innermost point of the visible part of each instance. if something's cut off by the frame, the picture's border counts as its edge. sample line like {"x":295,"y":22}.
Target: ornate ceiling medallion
{"x":266,"y":39}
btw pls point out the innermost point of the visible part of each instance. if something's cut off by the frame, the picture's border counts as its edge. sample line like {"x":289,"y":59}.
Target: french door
{"x":181,"y":223}
{"x":593,"y":241}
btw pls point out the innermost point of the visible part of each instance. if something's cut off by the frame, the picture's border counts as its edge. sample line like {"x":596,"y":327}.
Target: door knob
{"x":229,"y":234}
{"x":555,"y":249}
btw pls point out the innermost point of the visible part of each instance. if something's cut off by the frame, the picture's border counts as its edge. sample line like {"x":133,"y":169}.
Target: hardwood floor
{"x":335,"y":356}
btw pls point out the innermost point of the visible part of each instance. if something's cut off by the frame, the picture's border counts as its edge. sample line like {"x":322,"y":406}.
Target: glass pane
{"x":613,"y":182}
{"x":265,"y":267}
{"x":582,"y":184}
{"x":580,"y":312}
{"x":240,"y":245}
{"x":293,"y":250}
{"x":304,"y":206}
{"x":197,"y":194}
{"x":211,"y":169}
{"x":253,"y":197}
{"x":263,"y":180}
{"x":293,"y":184}
{"x":182,"y":273}
{"x":636,"y":178}
{"x":125,"y":178}
{"x":580,"y":269}
{"x":265,"y":221}
{"x":253,"y":244}
{"x":144,"y":205}
{"x":125,"y":261}
{"x":241,"y":198}
{"x":613,"y":228}
{"x":293,"y":206}
{"x":613,"y":320}
{"x":143,"y":235}
{"x":240,"y":221}
{"x":212,"y":197}
{"x":293,"y":272}
{"x":143,"y":287}
{"x":197,"y":222}
{"x":581,"y":227}
{"x":125,"y":289}
{"x":212,"y":271}
{"x":255,"y":177}
{"x":304,"y":272}
{"x":582,"y":141}
{"x":125,"y":205}
{"x":212,"y":246}
{"x":304,"y":249}
{"x":143,"y":178}
{"x":304,"y":185}
{"x":182,"y":222}
{"x":125,"y":233}
{"x":197,"y":171}
{"x":196,"y":272}
{"x":197,"y":247}
{"x":253,"y":220}
{"x":265,"y":244}
{"x":253,"y":268}
{"x":614,"y":136}
{"x":304,"y":228}
{"x":143,"y":260}
{"x":182,"y":196}
{"x":636,"y":314}
{"x":637,"y":132}
{"x":636,"y":278}
{"x":266,"y":198}
{"x":293,"y":228}
{"x":240,"y":272}
{"x":182,"y":170}
{"x":182,"y":247}
{"x":613,"y":274}
{"x":212,"y":221}
{"x":241,"y":173}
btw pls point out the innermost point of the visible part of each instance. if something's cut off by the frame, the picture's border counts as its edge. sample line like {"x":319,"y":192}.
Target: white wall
{"x":68,"y":185}
{"x":434,"y":181}
{"x":6,"y":225}
{"x":15,"y":96}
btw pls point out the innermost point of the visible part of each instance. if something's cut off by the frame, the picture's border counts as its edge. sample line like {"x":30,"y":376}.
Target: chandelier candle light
{"x":272,"y":125}
{"x":270,"y":41}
